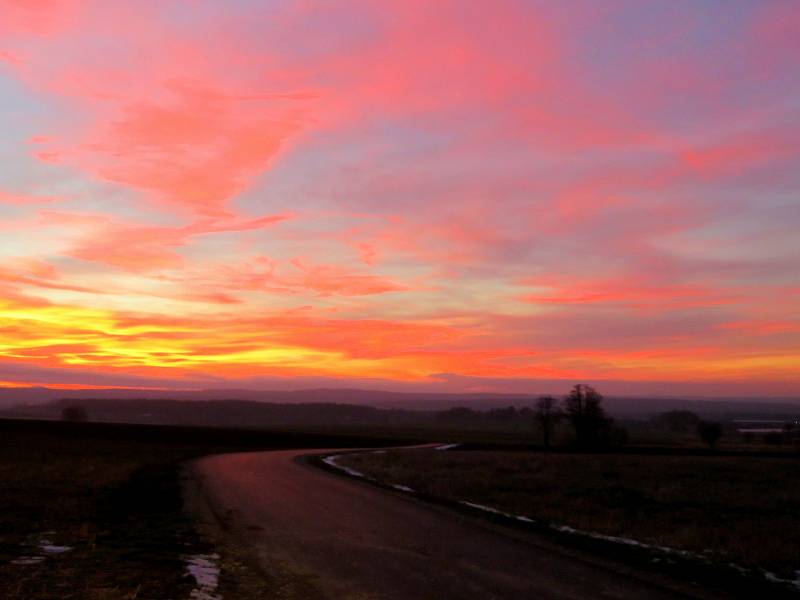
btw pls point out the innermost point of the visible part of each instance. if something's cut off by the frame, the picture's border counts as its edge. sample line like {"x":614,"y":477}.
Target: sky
{"x":410,"y":195}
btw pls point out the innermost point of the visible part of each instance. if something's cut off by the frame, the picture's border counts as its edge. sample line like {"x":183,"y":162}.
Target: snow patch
{"x":402,"y":488}
{"x":486,"y":509}
{"x":775,"y":579}
{"x":27,"y":560}
{"x":48,"y":547}
{"x":447,"y":447}
{"x":332,"y":461}
{"x":524,"y":519}
{"x":626,"y":541}
{"x":43,"y":548}
{"x":205,"y":571}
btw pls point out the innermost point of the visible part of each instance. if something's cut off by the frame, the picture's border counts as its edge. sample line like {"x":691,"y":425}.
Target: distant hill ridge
{"x":351,"y":403}
{"x":224,"y":413}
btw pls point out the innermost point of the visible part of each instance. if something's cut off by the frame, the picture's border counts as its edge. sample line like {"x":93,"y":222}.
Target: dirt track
{"x":346,"y":540}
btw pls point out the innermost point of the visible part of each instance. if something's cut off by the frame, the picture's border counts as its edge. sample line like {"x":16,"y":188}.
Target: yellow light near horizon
{"x":60,"y":329}
{"x":70,"y":336}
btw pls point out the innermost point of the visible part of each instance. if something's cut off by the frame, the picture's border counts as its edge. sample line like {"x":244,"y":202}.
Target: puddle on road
{"x":205,"y":571}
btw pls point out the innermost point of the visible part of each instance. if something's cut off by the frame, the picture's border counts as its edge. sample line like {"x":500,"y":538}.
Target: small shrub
{"x":74,"y":414}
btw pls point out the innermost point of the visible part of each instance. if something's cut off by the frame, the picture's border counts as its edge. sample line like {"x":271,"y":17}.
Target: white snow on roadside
{"x":524,"y":519}
{"x":332,"y":461}
{"x":447,"y":447}
{"x":205,"y":571}
{"x":486,"y":508}
{"x":775,"y":579}
{"x":626,"y":541}
{"x":402,"y":488}
{"x":631,"y":542}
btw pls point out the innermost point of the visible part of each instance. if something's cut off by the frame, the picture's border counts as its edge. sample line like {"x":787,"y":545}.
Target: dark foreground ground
{"x":99,"y":512}
{"x":725,"y":507}
{"x":95,"y":511}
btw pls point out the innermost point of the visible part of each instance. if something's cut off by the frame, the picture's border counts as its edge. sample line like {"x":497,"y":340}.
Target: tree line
{"x":583,"y":409}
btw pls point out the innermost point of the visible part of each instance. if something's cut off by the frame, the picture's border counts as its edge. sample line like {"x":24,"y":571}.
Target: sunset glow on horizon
{"x":411,"y":195}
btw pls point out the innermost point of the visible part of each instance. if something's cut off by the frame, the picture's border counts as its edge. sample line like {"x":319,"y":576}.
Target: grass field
{"x":94,"y":512}
{"x":740,"y":509}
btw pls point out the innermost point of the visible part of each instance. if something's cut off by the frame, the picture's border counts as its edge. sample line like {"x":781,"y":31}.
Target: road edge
{"x":682,"y":573}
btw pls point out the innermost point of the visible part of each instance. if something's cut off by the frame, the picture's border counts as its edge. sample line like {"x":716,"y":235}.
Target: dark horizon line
{"x":343,"y":390}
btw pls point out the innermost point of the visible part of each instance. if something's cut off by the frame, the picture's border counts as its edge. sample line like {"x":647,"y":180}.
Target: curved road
{"x":350,"y":540}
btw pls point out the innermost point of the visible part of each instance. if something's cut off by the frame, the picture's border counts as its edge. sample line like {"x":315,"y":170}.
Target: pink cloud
{"x":37,"y":17}
{"x":296,"y":276}
{"x":330,"y":279}
{"x":629,"y":293}
{"x":29,"y":273}
{"x":24,"y":199}
{"x":744,"y":152}
{"x":138,"y":247}
{"x":160,"y":114}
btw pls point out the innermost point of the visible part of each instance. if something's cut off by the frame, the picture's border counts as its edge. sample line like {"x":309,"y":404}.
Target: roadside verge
{"x":681,"y":565}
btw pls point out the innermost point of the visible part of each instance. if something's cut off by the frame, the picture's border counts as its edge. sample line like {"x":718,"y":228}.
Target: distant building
{"x":759,"y":425}
{"x":789,"y":428}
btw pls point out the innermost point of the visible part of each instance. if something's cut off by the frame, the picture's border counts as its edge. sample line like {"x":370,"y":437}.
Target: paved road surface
{"x":352,"y":541}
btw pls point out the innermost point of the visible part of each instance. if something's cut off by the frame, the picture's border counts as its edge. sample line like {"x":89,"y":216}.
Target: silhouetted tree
{"x":74,"y":414}
{"x":709,"y":432}
{"x":547,"y":414}
{"x":583,"y":407}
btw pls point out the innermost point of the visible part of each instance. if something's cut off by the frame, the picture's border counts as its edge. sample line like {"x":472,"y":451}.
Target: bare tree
{"x":709,"y":432}
{"x":547,"y":414}
{"x":583,"y":407}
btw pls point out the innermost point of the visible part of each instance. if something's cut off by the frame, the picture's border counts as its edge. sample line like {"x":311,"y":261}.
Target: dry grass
{"x":741,"y":509}
{"x":91,"y":495}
